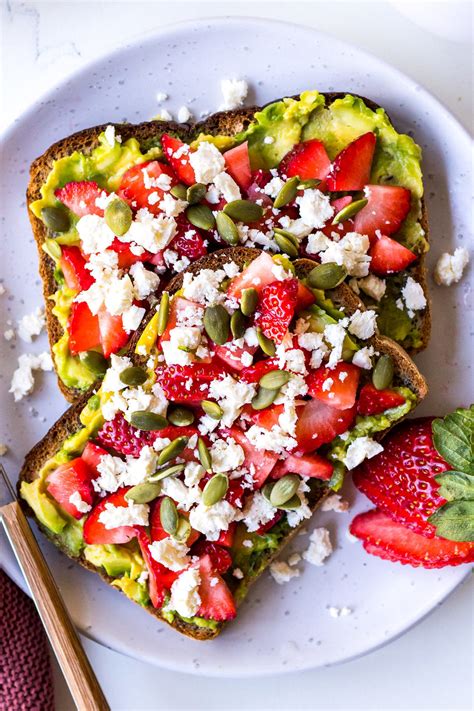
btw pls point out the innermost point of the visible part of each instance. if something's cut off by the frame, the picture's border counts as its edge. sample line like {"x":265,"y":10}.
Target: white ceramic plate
{"x":279,"y":628}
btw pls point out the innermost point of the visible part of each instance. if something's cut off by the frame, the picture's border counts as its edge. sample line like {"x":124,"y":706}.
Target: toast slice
{"x":148,"y":135}
{"x":70,"y":423}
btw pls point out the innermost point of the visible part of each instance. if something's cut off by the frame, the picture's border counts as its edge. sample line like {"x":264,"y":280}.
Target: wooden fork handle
{"x":82,"y":682}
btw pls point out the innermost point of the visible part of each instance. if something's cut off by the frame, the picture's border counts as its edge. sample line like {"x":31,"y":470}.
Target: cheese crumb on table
{"x":450,"y":267}
{"x":23,"y":381}
{"x":335,"y":503}
{"x":31,"y":325}
{"x":282,"y":573}
{"x":339,"y":611}
{"x":184,"y":114}
{"x":320,"y":547}
{"x":360,"y":449}
{"x":234,"y":93}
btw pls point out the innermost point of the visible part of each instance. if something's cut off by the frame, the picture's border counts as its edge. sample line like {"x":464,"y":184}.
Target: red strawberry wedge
{"x":80,"y":197}
{"x":350,"y":169}
{"x":391,"y":541}
{"x":400,"y":480}
{"x":217,"y":602}
{"x":372,"y":401}
{"x":139,"y":185}
{"x":83,"y":328}
{"x":177,"y":154}
{"x":312,"y":465}
{"x":389,"y":256}
{"x":73,"y":266}
{"x":238,"y":165}
{"x":319,"y":423}
{"x":387,"y":207}
{"x":94,"y":530}
{"x":277,"y":307}
{"x":188,"y":383}
{"x":70,"y":478}
{"x":307,"y":160}
{"x":335,"y":386}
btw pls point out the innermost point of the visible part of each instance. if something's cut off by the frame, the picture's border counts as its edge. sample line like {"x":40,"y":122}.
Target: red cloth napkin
{"x":26,"y":680}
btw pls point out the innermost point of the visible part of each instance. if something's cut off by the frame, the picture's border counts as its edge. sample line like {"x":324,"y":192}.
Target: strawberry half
{"x":73,"y":266}
{"x":307,"y":160}
{"x":138,"y":187}
{"x":69,"y":478}
{"x":83,"y":328}
{"x":311,"y":465}
{"x":389,"y":256}
{"x":372,"y":401}
{"x":276,"y":308}
{"x":350,"y":169}
{"x":94,"y":530}
{"x":92,"y":454}
{"x":401,"y":480}
{"x":217,"y":602}
{"x":188,"y":383}
{"x":238,"y":165}
{"x":125,"y":255}
{"x":260,"y":463}
{"x":80,"y":197}
{"x":387,"y":207}
{"x":258,"y":274}
{"x":387,"y":539}
{"x":319,"y":423}
{"x":336,"y":386}
{"x":253,"y":373}
{"x":177,"y":155}
{"x":113,"y":336}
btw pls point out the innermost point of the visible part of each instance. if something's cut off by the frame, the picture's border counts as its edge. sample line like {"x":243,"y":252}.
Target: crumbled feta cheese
{"x":320,"y":547}
{"x":9,"y":334}
{"x":207,"y":162}
{"x":22,"y":381}
{"x":143,"y":577}
{"x":31,"y":325}
{"x":268,"y":140}
{"x":172,"y":207}
{"x":362,"y":448}
{"x":339,"y":611}
{"x":170,"y":553}
{"x":161,"y":96}
{"x":183,"y":342}
{"x":237,"y":573}
{"x":231,"y":395}
{"x":112,"y":382}
{"x":151,"y":232}
{"x":257,"y":512}
{"x":2,"y":289}
{"x":373,"y":286}
{"x":273,"y":187}
{"x":363,"y":358}
{"x":211,"y":520}
{"x":292,"y":359}
{"x":76,"y":500}
{"x":226,"y":455}
{"x":164,"y":115}
{"x":413,"y":296}
{"x":131,"y":515}
{"x":315,"y":208}
{"x":449,"y":267}
{"x":294,"y":559}
{"x":334,"y":335}
{"x":193,"y":473}
{"x":273,"y":440}
{"x":185,"y":497}
{"x":363,"y":323}
{"x":234,"y":92}
{"x":282,"y":573}
{"x":174,"y":261}
{"x":132,"y":318}
{"x":295,"y":516}
{"x":334,"y":502}
{"x":184,"y":114}
{"x":317,"y":242}
{"x":185,"y":598}
{"x":110,"y":136}
{"x":227,"y":187}
{"x":350,"y":252}
{"x":203,"y":287}
{"x":94,"y":233}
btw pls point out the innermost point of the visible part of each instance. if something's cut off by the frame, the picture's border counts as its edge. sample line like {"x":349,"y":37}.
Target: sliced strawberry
{"x":188,"y":241}
{"x":277,"y":307}
{"x":157,"y":531}
{"x":113,"y":336}
{"x":123,"y":438}
{"x":253,"y":373}
{"x":83,"y":328}
{"x":390,"y":540}
{"x":177,"y":155}
{"x":319,"y":423}
{"x":125,"y":255}
{"x":259,"y":462}
{"x":160,"y":579}
{"x":267,"y":526}
{"x":70,"y":478}
{"x":231,"y":355}
{"x":217,"y":602}
{"x":226,"y":538}
{"x":268,"y":417}
{"x":179,"y":307}
{"x":389,"y":256}
{"x":238,"y":165}
{"x":401,"y":480}
{"x":138,"y":185}
{"x":80,"y":197}
{"x":94,"y":530}
{"x":350,"y":170}
{"x":335,"y":386}
{"x":372,"y":401}
{"x":175,"y":379}
{"x":92,"y":454}
{"x":221,"y":559}
{"x":305,"y":297}
{"x":308,"y":160}
{"x":73,"y":266}
{"x":257,"y":275}
{"x":311,"y":465}
{"x":340,"y":203}
{"x":387,"y":208}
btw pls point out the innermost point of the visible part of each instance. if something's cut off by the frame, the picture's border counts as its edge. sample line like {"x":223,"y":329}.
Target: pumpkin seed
{"x":204,"y":455}
{"x":382,"y":374}
{"x":56,"y":218}
{"x":212,"y":409}
{"x":244,"y":211}
{"x":93,"y":403}
{"x":172,"y":450}
{"x":179,"y":191}
{"x":286,"y":245}
{"x":195,"y":193}
{"x":201,"y":216}
{"x":169,"y":516}
{"x":227,"y":229}
{"x":264,"y":398}
{"x":183,"y":530}
{"x":148,"y":421}
{"x":337,"y":478}
{"x":289,"y":235}
{"x":284,"y":489}
{"x":163,"y":313}
{"x":349,"y":210}
{"x":327,"y":276}
{"x":267,"y":490}
{"x":94,"y":361}
{"x":217,"y":323}
{"x":287,"y":193}
{"x":248,"y":301}
{"x":274,"y":379}
{"x":181,"y":417}
{"x":166,"y":472}
{"x":133,"y":376}
{"x":215,"y":489}
{"x":293,"y":503}
{"x":237,"y":324}
{"x":144,"y":493}
{"x":52,"y":248}
{"x":266,"y":344}
{"x":309,"y":183}
{"x":118,"y":216}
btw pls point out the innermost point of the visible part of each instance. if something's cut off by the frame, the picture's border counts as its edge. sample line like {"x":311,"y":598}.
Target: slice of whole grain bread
{"x":69,"y":423}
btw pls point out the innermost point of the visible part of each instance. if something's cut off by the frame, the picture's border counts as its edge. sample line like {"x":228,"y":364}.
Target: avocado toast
{"x":327,"y":177}
{"x":238,"y":405}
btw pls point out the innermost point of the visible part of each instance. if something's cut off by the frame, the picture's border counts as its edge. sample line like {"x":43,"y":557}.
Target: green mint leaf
{"x":456,"y":485}
{"x":453,"y":438}
{"x":455,"y":521}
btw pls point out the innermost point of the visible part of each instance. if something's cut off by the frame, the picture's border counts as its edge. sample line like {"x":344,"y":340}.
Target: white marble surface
{"x":429,"y":668}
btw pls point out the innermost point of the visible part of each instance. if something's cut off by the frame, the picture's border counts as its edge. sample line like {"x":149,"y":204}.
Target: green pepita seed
{"x":286,"y":245}
{"x":148,"y":421}
{"x":227,"y":229}
{"x":293,"y":503}
{"x":133,"y":376}
{"x":195,"y":193}
{"x":93,"y":403}
{"x":56,"y":218}
{"x":94,"y":361}
{"x":51,"y":247}
{"x":166,"y":472}
{"x":169,"y":516}
{"x":288,"y":235}
{"x":337,"y":478}
{"x":267,"y":490}
{"x":382,"y":375}
{"x":266,"y":344}
{"x":264,"y":398}
{"x":215,"y":489}
{"x":274,"y":379}
{"x":179,"y":191}
{"x":212,"y":409}
{"x":248,"y":301}
{"x":204,"y":455}
{"x":163,"y":313}
{"x":349,"y":211}
{"x":181,"y":417}
{"x":237,"y":324}
{"x":217,"y":323}
{"x":327,"y":276}
{"x":183,"y":530}
{"x":173,"y":449}
{"x":309,"y":183}
{"x":118,"y":216}
{"x":284,"y":489}
{"x":244,"y":211}
{"x":201,"y":216}
{"x":287,"y":193}
{"x":144,"y":493}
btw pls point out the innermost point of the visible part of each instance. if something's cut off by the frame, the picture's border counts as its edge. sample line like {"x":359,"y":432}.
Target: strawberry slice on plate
{"x":73,"y":266}
{"x":372,"y":401}
{"x":277,"y":308}
{"x":217,"y":602}
{"x":307,"y":160}
{"x":390,"y":540}
{"x":80,"y":197}
{"x":238,"y":165}
{"x":177,"y":155}
{"x":69,"y":478}
{"x":350,"y":170}
{"x":188,"y":383}
{"x":311,"y":465}
{"x":319,"y":423}
{"x":94,"y":530}
{"x":83,"y":328}
{"x":335,"y":386}
{"x":259,"y":462}
{"x":139,"y":187}
{"x":387,"y":207}
{"x":257,"y":275}
{"x":113,"y":336}
{"x":389,"y":256}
